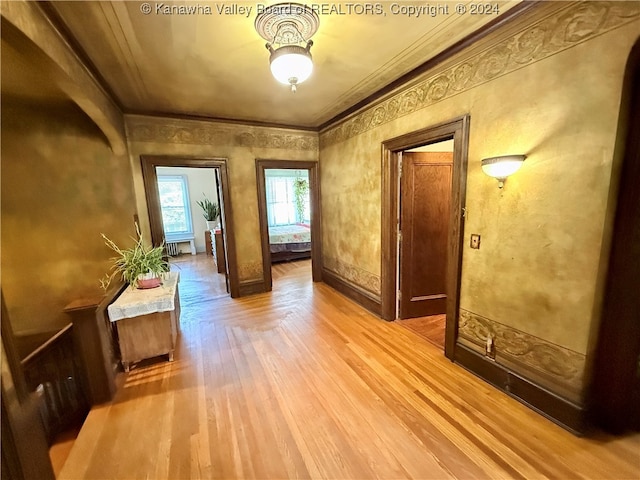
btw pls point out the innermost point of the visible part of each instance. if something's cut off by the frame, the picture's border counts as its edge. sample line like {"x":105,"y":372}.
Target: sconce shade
{"x":291,"y":64}
{"x":502,"y":167}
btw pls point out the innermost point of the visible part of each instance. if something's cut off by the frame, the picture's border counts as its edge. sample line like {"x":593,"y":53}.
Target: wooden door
{"x":425,"y":202}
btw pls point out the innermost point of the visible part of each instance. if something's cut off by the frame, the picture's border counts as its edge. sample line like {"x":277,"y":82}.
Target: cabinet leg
{"x":171,"y":356}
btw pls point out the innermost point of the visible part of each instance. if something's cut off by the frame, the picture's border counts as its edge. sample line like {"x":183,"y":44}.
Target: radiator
{"x":172,"y":249}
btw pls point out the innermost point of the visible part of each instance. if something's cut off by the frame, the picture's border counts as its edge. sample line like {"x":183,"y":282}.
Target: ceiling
{"x":214,"y":63}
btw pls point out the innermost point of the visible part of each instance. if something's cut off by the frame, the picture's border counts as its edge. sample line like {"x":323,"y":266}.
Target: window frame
{"x":175,"y":236}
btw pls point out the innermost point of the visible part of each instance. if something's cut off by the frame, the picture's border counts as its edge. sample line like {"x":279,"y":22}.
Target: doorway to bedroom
{"x":177,"y":191}
{"x":190,"y":205}
{"x":288,"y":205}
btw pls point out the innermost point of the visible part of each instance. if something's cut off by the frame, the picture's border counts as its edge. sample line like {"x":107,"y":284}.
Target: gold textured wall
{"x":240,"y":145}
{"x":548,"y":86}
{"x":61,"y":187}
{"x":351,"y":208}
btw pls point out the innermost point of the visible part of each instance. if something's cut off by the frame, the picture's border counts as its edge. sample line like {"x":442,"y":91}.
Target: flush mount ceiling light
{"x":288,"y":28}
{"x":501,"y":167}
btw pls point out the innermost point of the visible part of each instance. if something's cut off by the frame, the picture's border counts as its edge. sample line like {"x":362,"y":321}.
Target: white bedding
{"x":289,"y":234}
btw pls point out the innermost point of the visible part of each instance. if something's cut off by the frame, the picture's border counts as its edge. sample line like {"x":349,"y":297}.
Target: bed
{"x":290,"y":242}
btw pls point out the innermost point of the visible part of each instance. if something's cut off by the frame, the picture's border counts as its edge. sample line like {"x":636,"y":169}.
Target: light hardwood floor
{"x":303,"y":383}
{"x":199,"y":278}
{"x":431,"y":328}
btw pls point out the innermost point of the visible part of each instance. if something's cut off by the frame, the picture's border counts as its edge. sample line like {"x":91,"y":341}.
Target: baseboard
{"x":355,"y":293}
{"x":251,"y":287}
{"x":559,"y":410}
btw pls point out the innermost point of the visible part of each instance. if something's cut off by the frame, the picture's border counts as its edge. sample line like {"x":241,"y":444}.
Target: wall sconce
{"x":501,"y":167}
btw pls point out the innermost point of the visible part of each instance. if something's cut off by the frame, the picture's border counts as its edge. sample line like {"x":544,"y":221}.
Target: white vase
{"x":211,"y":224}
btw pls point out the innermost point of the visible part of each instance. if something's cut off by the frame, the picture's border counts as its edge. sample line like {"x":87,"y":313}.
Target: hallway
{"x":199,"y":278}
{"x":303,"y":383}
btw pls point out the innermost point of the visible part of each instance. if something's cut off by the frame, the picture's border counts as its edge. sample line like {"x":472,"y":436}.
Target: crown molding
{"x":571,"y":25}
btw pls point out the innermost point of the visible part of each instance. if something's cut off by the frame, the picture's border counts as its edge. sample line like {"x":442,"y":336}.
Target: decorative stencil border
{"x":200,"y":132}
{"x":558,"y":368}
{"x":572,"y":26}
{"x":363,"y":279}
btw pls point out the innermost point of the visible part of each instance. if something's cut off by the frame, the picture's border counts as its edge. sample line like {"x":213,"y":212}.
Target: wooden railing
{"x":73,"y":368}
{"x":53,"y":370}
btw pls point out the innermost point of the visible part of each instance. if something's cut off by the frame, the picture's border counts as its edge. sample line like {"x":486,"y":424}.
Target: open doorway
{"x":190,"y":207}
{"x":445,"y":176}
{"x":289,"y":211}
{"x":425,"y":174}
{"x":205,"y":182}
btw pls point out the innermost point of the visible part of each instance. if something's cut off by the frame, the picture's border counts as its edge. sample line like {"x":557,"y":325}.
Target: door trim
{"x":316,"y":223}
{"x":149,"y":164}
{"x":458,"y":129}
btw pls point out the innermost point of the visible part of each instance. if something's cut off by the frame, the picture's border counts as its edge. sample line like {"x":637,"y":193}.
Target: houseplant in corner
{"x":210,"y":212}
{"x":140,"y":266}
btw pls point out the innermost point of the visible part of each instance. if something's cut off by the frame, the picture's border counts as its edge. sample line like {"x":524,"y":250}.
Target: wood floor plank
{"x":372,"y":408}
{"x":437,"y":401}
{"x":303,"y":383}
{"x":431,"y":328}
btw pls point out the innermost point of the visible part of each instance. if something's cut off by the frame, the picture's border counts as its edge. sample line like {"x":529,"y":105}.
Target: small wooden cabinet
{"x":147,"y":321}
{"x":217,"y":246}
{"x":214,"y":244}
{"x":208,"y":245}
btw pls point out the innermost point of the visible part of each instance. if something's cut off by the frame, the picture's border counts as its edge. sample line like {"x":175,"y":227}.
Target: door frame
{"x":458,"y":130}
{"x":149,"y":175}
{"x":316,"y":224}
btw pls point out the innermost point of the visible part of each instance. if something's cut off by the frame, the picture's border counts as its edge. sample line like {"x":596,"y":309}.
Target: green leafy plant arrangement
{"x":300,"y":192}
{"x":132,"y":262}
{"x":210,"y":210}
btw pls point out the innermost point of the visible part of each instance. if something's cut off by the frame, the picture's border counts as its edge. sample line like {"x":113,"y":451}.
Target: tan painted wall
{"x":551,"y":90}
{"x":61,"y":187}
{"x":240,"y":145}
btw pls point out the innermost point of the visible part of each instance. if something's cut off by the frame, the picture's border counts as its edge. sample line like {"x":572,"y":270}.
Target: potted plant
{"x":140,"y":266}
{"x":210,"y":212}
{"x":301,"y":194}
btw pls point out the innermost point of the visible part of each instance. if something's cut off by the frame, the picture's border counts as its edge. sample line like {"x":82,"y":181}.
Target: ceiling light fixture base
{"x":282,"y":22}
{"x":287,"y":27}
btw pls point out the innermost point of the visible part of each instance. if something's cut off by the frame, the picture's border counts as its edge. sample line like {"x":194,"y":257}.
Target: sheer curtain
{"x":281,"y":209}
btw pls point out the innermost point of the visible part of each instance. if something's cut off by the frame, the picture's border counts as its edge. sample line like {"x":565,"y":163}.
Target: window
{"x":281,"y":202}
{"x":174,"y":202}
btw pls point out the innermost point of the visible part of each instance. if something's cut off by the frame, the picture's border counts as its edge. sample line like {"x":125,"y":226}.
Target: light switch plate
{"x":475,"y":241}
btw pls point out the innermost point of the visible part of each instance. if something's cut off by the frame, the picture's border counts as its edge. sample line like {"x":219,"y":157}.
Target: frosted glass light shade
{"x":502,"y":167}
{"x":291,"y":64}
